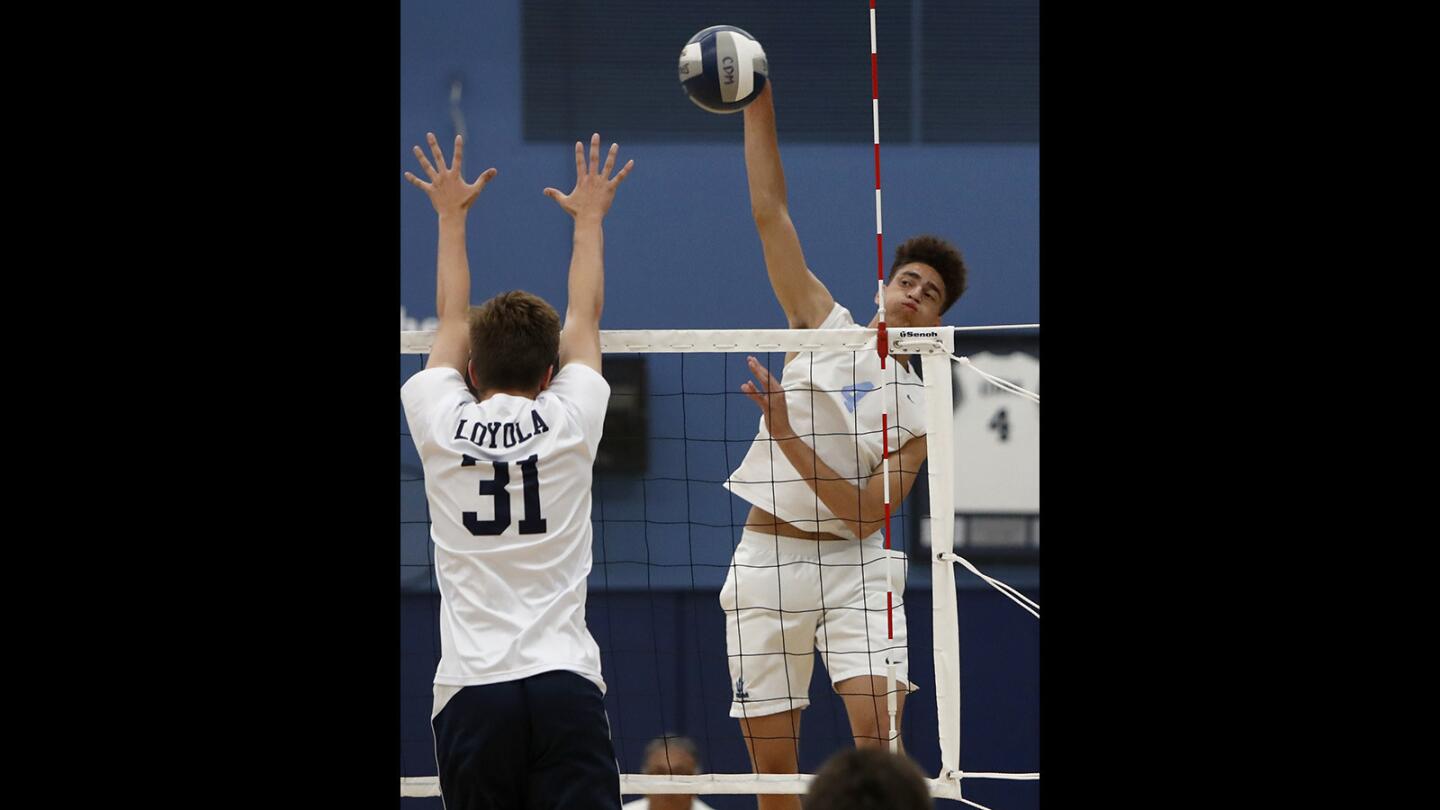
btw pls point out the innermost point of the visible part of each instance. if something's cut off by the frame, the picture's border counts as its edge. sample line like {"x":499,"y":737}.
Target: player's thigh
{"x":571,"y":754}
{"x":771,"y":612}
{"x":863,"y":635}
{"x":480,"y":742}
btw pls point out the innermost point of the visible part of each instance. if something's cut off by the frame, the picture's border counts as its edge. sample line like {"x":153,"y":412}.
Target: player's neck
{"x":514,"y":392}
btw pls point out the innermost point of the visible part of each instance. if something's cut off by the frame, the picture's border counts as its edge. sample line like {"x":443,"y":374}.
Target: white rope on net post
{"x":998,"y":382}
{"x":1013,"y":595}
{"x":1018,"y":777}
{"x":998,"y":327}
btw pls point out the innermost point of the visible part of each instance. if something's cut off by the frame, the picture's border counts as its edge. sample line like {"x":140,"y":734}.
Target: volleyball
{"x":722,"y":69}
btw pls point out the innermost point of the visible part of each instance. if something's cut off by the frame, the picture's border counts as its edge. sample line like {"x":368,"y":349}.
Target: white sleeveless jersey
{"x":508,"y":484}
{"x":835,"y":408}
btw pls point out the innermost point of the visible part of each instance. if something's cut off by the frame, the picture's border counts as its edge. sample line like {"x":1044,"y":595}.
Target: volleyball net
{"x":666,"y":533}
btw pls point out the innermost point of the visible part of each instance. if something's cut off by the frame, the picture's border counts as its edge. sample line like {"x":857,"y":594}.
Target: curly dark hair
{"x":939,"y":254}
{"x":868,"y":779}
{"x":514,"y":337}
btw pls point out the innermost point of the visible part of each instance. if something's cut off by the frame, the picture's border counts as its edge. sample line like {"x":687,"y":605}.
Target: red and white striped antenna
{"x":882,"y":346}
{"x":883,"y":343}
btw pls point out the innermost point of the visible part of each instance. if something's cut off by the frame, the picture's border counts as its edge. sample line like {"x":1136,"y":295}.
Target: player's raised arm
{"x":588,"y":203}
{"x":805,"y":300}
{"x":451,"y":196}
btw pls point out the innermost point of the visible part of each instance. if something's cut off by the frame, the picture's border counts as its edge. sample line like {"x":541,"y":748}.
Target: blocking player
{"x":518,"y":714}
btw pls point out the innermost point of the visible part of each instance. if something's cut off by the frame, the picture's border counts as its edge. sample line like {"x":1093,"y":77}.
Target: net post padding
{"x":941,"y":464}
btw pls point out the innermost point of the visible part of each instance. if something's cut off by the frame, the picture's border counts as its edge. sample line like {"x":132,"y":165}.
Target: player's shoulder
{"x":433,"y":380}
{"x":436,"y":375}
{"x":571,"y":370}
{"x":577,"y":379}
{"x":837,"y":318}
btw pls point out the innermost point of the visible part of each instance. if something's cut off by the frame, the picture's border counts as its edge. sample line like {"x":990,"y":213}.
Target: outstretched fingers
{"x":435,"y":149}
{"x":748,"y":389}
{"x":624,"y":172}
{"x":763,"y":388}
{"x":425,"y":164}
{"x":609,"y":161}
{"x":762,"y":374}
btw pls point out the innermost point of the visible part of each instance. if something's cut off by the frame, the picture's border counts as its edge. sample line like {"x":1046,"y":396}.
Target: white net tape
{"x":937,"y":340}
{"x":710,"y":784}
{"x":719,"y":783}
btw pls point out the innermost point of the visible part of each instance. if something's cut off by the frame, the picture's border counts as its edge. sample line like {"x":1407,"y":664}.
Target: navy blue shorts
{"x":539,"y":743}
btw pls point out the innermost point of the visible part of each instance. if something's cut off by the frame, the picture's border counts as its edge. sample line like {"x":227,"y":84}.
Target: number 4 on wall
{"x":1000,"y":423}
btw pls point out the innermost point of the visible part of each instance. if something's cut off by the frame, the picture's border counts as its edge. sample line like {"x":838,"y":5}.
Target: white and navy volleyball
{"x":722,"y":69}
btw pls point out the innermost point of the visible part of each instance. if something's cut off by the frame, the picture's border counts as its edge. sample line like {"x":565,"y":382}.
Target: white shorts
{"x":785,"y":598}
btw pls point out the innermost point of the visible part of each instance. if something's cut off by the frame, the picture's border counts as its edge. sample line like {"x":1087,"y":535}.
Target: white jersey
{"x":833,"y":408}
{"x":508,"y":484}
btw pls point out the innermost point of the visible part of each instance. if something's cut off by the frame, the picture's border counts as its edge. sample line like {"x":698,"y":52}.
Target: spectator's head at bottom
{"x":868,"y":779}
{"x":674,"y":756}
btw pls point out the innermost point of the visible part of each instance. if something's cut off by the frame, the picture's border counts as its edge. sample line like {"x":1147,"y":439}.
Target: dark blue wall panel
{"x":663,"y":656}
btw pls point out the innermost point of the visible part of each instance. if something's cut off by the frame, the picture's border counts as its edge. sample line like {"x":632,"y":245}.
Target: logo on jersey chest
{"x":853,"y":393}
{"x":506,"y":434}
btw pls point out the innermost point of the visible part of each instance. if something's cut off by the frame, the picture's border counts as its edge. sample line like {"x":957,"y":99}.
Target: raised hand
{"x":447,"y":189}
{"x":594,"y":188}
{"x":770,"y":396}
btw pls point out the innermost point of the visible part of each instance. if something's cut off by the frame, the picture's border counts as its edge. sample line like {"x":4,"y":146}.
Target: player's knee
{"x":868,"y":732}
{"x":882,"y":744}
{"x":777,"y":755}
{"x":871,"y":738}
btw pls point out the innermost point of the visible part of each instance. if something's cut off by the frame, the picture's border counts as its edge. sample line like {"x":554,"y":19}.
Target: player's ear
{"x":549,"y":377}
{"x":470,"y":372}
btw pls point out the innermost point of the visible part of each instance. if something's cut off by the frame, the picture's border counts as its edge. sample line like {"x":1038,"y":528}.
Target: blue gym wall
{"x":681,"y":252}
{"x":680,"y":246}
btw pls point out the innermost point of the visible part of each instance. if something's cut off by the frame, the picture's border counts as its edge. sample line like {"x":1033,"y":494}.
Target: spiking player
{"x":809,"y":570}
